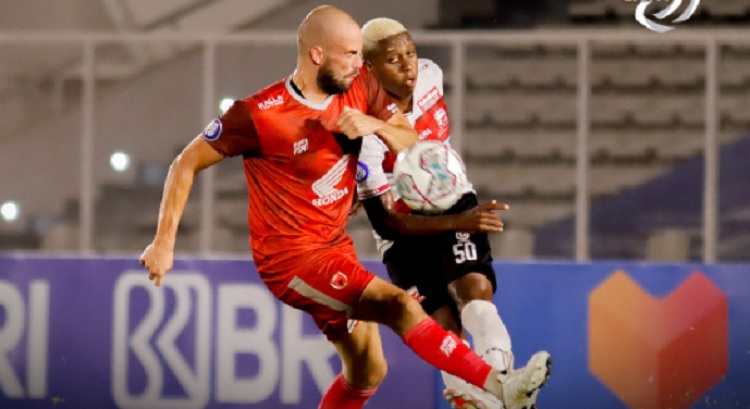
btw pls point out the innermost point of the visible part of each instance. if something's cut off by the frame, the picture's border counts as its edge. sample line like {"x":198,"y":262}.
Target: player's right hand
{"x":482,"y":218}
{"x":354,"y":124}
{"x":158,"y":261}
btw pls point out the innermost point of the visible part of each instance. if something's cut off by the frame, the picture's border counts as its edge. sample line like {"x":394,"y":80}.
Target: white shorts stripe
{"x":304,"y":289}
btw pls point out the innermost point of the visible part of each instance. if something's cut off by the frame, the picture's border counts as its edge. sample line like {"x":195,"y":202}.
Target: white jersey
{"x":429,"y":116}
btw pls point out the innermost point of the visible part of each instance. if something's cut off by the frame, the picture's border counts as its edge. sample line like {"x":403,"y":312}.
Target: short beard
{"x":328,"y":83}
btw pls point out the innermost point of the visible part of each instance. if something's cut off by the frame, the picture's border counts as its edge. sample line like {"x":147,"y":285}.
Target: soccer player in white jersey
{"x":448,"y":264}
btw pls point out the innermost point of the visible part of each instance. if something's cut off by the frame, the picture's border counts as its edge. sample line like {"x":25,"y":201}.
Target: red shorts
{"x":325,"y":283}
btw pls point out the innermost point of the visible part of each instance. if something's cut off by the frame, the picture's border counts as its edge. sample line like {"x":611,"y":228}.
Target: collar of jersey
{"x":318,"y":106}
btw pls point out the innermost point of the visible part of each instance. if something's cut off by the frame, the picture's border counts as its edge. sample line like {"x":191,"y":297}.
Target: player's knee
{"x":369,"y":371}
{"x":378,"y":369}
{"x":396,"y":306}
{"x":405,"y":303}
{"x":473,"y":286}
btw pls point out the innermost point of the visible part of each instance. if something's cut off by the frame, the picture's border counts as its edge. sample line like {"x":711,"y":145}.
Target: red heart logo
{"x":658,"y":353}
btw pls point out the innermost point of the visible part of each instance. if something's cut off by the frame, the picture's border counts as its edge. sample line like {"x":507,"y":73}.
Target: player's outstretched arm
{"x":158,"y":256}
{"x":397,"y":132}
{"x":387,"y":222}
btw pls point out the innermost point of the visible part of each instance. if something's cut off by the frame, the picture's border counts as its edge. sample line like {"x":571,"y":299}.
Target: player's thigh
{"x":326,"y":285}
{"x":411,"y":264}
{"x":361,"y":354}
{"x":386,"y":304}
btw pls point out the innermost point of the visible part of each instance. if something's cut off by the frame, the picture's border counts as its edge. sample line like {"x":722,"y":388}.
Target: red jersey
{"x":300,"y":171}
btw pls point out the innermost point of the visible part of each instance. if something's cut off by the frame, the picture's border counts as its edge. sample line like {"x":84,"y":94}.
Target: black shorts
{"x":430,"y":262}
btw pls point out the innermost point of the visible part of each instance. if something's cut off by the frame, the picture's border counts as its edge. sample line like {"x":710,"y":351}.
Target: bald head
{"x":329,"y":50}
{"x":325,"y":26}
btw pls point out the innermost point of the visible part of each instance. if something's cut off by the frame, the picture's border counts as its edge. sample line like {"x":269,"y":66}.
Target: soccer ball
{"x":430,"y":177}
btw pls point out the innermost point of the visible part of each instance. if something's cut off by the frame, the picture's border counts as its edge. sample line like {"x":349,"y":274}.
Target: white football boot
{"x":462,"y":395}
{"x":521,"y":386}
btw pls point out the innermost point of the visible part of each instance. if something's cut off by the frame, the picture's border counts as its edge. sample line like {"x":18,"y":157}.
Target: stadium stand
{"x":520,"y":112}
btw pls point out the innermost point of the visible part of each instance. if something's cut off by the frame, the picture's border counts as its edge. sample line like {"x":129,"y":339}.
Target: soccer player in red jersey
{"x":448,"y":261}
{"x":299,"y":139}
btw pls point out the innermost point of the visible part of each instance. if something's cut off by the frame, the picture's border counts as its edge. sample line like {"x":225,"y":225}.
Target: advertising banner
{"x":95,"y":333}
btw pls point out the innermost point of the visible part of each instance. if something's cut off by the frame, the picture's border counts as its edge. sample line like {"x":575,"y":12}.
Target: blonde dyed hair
{"x":376,"y":30}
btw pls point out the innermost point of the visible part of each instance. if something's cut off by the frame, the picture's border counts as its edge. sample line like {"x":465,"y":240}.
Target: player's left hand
{"x":354,"y":124}
{"x":482,"y":218}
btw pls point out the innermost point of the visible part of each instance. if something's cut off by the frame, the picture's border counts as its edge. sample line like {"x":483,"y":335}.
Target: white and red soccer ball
{"x":430,"y":176}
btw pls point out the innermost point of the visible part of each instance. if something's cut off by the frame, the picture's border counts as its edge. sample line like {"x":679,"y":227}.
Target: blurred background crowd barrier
{"x":607,"y":144}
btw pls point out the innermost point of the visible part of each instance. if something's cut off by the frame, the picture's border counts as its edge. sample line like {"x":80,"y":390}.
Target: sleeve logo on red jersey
{"x":213,"y":130}
{"x":429,"y":99}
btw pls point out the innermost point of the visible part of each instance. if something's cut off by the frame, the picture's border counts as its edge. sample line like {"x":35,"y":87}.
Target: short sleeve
{"x":234,"y":133}
{"x":371,"y":178}
{"x":379,"y":104}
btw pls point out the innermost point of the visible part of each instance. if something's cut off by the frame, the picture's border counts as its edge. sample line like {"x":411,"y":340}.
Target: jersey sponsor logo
{"x":339,"y":280}
{"x":271,"y":102}
{"x":425,"y":134}
{"x":333,"y":197}
{"x":213,"y":130}
{"x":325,"y":187}
{"x":362,"y":172}
{"x":300,"y":146}
{"x":429,"y":99}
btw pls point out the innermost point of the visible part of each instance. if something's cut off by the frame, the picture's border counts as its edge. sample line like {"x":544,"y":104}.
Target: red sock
{"x":341,"y":395}
{"x":445,"y":351}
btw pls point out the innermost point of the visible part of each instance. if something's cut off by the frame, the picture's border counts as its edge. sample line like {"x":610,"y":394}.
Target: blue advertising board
{"x":95,"y":333}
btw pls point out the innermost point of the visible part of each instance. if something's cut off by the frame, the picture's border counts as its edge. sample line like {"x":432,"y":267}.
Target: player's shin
{"x":445,"y":351}
{"x":491,"y":339}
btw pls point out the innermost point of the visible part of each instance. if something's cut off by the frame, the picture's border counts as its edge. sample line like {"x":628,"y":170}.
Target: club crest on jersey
{"x":213,"y":130}
{"x":441,"y":117}
{"x":271,"y":102}
{"x":362,"y":172}
{"x":339,"y":280}
{"x":429,"y":99}
{"x":461,"y":236}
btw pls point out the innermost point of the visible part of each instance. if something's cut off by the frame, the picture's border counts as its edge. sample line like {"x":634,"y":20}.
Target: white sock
{"x":491,"y":338}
